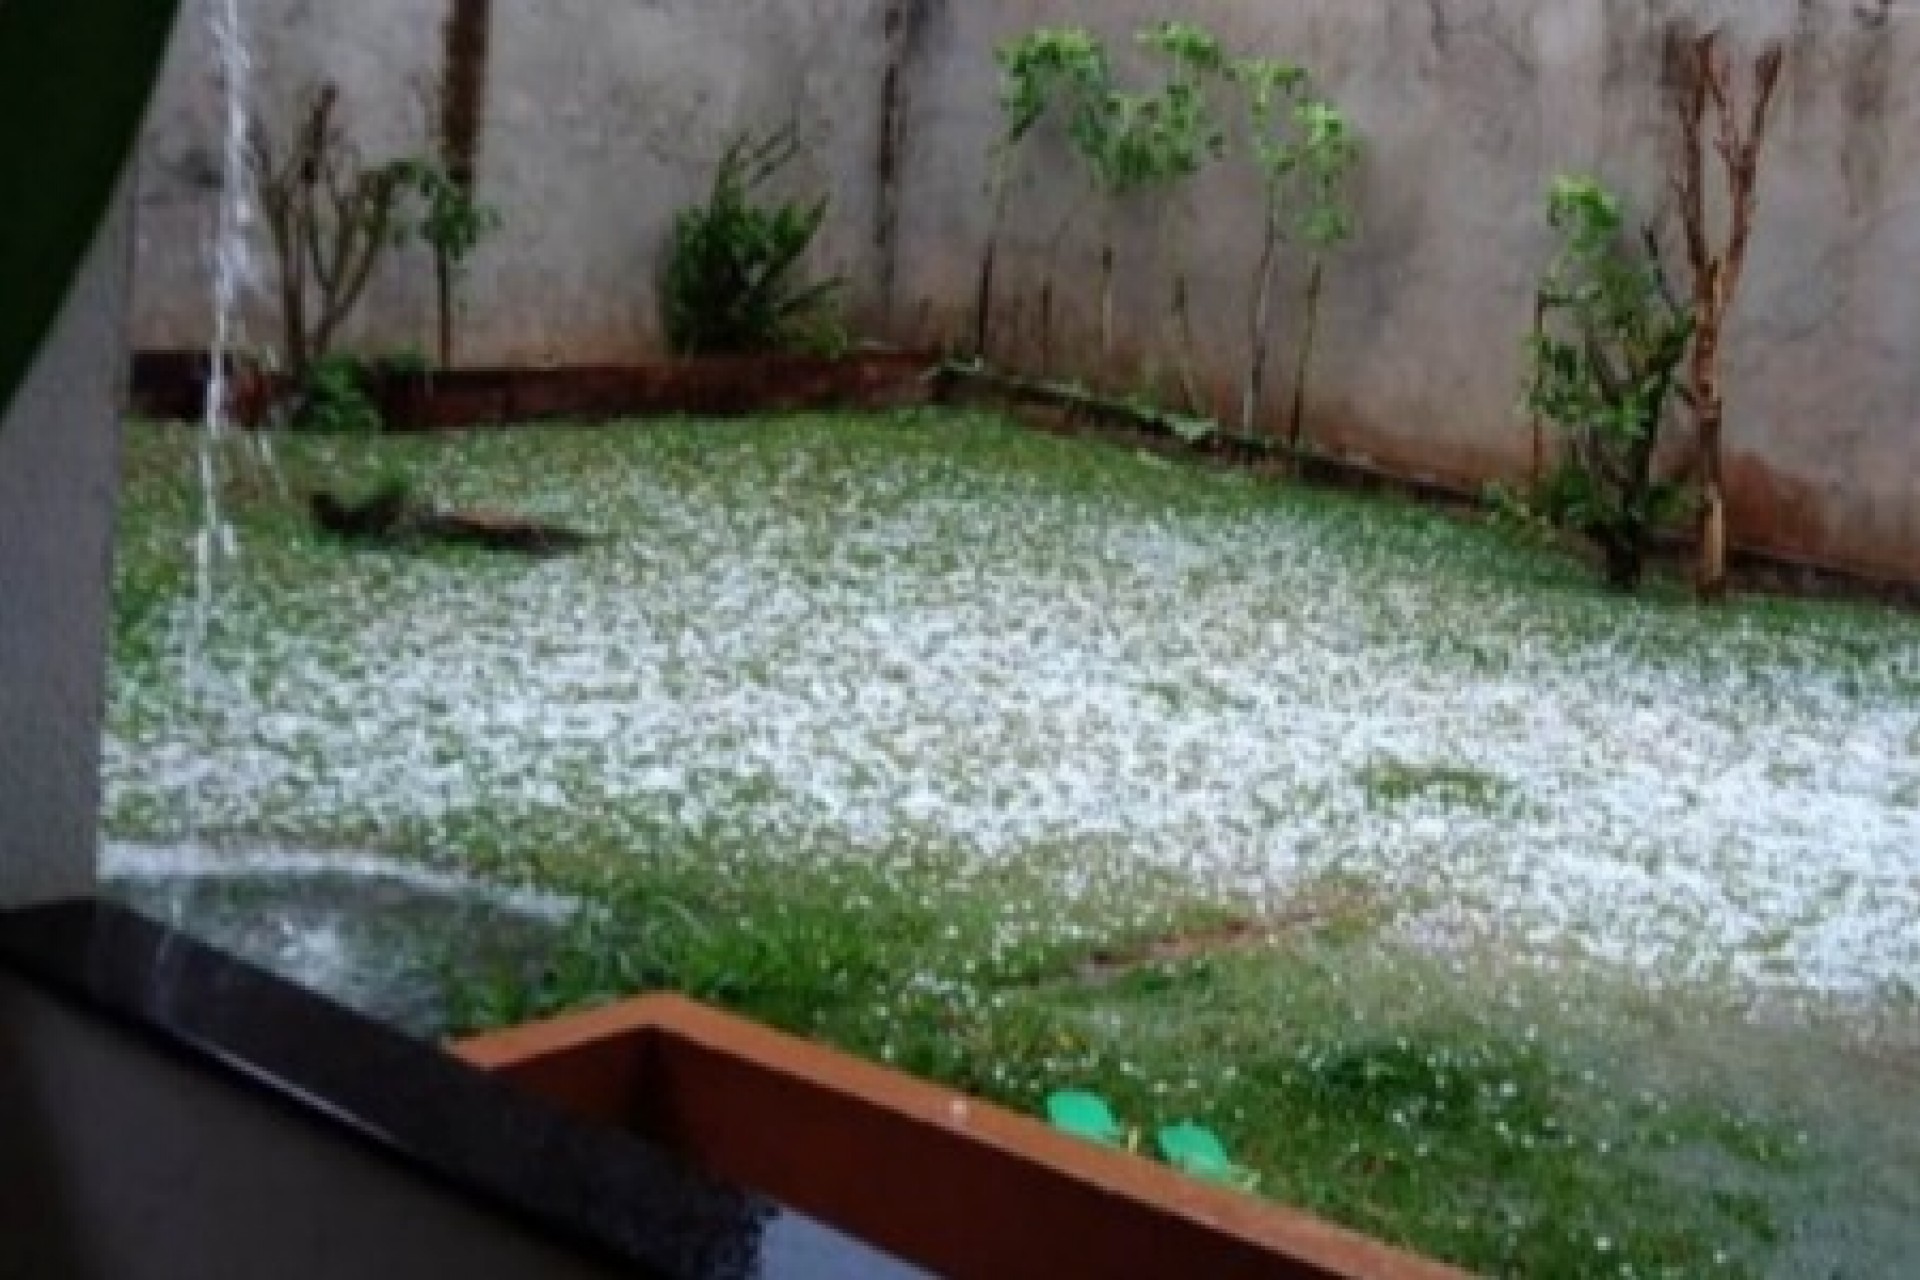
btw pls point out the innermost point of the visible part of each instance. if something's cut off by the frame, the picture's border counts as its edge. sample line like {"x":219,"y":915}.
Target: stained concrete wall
{"x":58,"y":463}
{"x":383,"y":56}
{"x":1469,"y":108}
{"x":601,"y":119}
{"x":603,"y":116}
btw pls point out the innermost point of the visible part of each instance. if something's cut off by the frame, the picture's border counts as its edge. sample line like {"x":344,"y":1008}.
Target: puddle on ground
{"x":1833,"y":1091}
{"x":1848,"y":1204}
{"x":383,"y":939}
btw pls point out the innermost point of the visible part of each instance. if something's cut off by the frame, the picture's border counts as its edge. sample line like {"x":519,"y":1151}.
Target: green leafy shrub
{"x":735,"y":279}
{"x":1048,"y":67}
{"x":1604,"y":361}
{"x":333,"y":398}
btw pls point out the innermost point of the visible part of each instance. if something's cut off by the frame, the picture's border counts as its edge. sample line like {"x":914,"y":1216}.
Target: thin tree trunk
{"x":1106,"y":304}
{"x":443,"y":299}
{"x":1046,"y":325}
{"x":1717,"y":268}
{"x":983,"y":300}
{"x":1173,"y":248}
{"x":278,"y":209}
{"x":1258,"y":321}
{"x":1296,"y":424}
{"x":1537,"y":475}
{"x":983,"y":303}
{"x":1109,"y":264}
{"x":1183,"y":320}
{"x":1711,"y":417}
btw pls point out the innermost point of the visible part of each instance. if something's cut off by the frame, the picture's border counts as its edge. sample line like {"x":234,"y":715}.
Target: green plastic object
{"x":1197,"y":1151}
{"x":75,"y":76}
{"x":1084,"y":1115}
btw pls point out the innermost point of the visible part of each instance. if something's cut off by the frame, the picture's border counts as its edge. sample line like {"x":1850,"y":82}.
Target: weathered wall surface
{"x":1469,"y":108}
{"x":604,"y":116}
{"x":381,"y":56}
{"x":600,"y":119}
{"x":607,"y":118}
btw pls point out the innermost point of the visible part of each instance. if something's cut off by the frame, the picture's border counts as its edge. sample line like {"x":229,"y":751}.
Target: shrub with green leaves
{"x":332,"y":397}
{"x":1603,"y":366}
{"x":735,"y":277}
{"x":1048,"y":68}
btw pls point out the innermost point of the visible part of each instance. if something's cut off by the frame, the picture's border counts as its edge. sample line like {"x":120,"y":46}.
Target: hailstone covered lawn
{"x":835,"y":640}
{"x":1539,"y":929}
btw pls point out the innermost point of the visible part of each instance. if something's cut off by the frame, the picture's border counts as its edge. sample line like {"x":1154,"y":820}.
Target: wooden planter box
{"x":712,"y":387}
{"x":941,"y":1180}
{"x":173,"y":385}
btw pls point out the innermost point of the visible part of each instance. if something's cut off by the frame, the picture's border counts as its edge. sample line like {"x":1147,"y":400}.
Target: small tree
{"x":1050,"y":69}
{"x":1117,"y":140}
{"x":452,"y":223}
{"x":1604,"y":364}
{"x":449,"y":218}
{"x":1328,"y":154}
{"x":1305,"y":152}
{"x":330,"y":217}
{"x":1272,"y":91}
{"x":1717,"y":261}
{"x":1186,"y":136}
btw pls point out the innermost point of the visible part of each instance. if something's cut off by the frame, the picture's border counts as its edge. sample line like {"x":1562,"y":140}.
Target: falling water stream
{"x":232,"y":255}
{"x":377,"y":935}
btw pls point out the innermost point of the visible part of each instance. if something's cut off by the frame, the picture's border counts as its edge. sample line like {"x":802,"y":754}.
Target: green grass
{"x":1358,"y":1080}
{"x":793,"y":462}
{"x":1391,"y":781}
{"x":1481,"y":1113}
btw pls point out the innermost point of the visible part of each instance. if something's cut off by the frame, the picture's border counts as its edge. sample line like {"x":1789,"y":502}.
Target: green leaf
{"x":1084,"y":1115}
{"x":1197,"y":1151}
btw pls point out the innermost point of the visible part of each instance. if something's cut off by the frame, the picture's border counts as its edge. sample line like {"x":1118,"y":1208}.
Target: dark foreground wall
{"x":58,"y":464}
{"x":119,"y":1162}
{"x":166,"y":1112}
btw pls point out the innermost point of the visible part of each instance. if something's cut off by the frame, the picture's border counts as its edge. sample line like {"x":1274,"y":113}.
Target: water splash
{"x":380,"y":935}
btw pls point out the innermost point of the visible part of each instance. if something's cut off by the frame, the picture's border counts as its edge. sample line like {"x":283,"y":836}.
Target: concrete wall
{"x":1469,"y":107}
{"x":58,"y":465}
{"x":119,"y":1163}
{"x":603,"y":116}
{"x":382,"y":62}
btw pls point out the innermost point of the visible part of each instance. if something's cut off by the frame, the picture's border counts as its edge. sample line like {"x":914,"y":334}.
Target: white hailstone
{"x":1637,"y":823}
